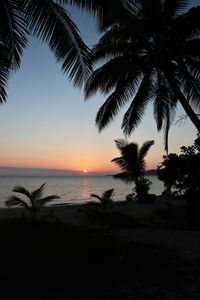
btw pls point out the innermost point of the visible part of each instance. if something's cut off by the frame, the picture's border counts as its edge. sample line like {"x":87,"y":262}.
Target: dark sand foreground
{"x":135,"y":252}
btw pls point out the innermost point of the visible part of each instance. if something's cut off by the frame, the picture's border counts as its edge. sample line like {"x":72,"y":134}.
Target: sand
{"x":144,"y":233}
{"x":140,"y":222}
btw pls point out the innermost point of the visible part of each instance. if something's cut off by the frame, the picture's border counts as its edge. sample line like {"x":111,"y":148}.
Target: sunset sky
{"x":46,"y":123}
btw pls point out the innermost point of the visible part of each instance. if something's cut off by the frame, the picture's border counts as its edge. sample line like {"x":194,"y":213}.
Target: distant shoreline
{"x":42,"y":172}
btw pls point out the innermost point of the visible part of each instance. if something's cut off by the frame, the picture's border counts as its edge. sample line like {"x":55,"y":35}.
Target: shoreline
{"x":73,"y":212}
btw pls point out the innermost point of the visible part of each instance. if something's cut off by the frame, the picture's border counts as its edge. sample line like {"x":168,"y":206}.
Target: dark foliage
{"x":182,"y":172}
{"x":50,"y":23}
{"x":150,"y":53}
{"x":132,"y":163}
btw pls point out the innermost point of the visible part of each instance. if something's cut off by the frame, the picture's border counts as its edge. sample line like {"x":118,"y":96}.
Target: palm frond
{"x":125,"y":177}
{"x":129,"y":160}
{"x":108,"y":194}
{"x":164,"y":106}
{"x":121,"y":143}
{"x":123,"y":12}
{"x":13,"y":29}
{"x":190,"y":85}
{"x":143,"y":152}
{"x":100,"y":8}
{"x":135,"y":112}
{"x":123,"y":92}
{"x":170,"y":113}
{"x":37,"y":194}
{"x":106,"y":77}
{"x":110,"y":50}
{"x":96,"y":196}
{"x":47,"y":199}
{"x":52,"y":24}
{"x":175,"y":85}
{"x":163,"y":97}
{"x":120,"y":162}
{"x":193,"y":66}
{"x":166,"y":130}
{"x":15,"y":201}
{"x":12,"y":41}
{"x":5,"y":70}
{"x":22,"y":190}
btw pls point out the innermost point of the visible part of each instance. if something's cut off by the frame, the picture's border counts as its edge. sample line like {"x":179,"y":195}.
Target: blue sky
{"x":46,"y":123}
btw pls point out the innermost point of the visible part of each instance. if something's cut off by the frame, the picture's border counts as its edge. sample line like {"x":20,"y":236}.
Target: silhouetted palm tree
{"x":132,"y":162}
{"x":106,"y":199}
{"x":51,"y":23}
{"x":35,"y":199}
{"x":152,"y":53}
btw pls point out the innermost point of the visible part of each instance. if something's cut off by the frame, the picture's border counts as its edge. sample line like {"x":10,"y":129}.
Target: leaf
{"x":96,"y":196}
{"x":42,"y":201}
{"x":37,"y":194}
{"x":108,"y":194}
{"x":22,"y":190}
{"x":51,"y":23}
{"x":15,"y":201}
{"x":125,"y":177}
{"x":13,"y":30}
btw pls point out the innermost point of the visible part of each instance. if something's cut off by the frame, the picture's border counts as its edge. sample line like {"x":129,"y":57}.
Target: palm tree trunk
{"x":185,"y":104}
{"x":137,"y":188}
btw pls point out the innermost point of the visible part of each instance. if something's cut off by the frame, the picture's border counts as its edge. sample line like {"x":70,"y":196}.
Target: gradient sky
{"x":46,"y":123}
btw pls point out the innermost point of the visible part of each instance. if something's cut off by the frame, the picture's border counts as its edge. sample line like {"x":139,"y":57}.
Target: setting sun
{"x":84,"y":171}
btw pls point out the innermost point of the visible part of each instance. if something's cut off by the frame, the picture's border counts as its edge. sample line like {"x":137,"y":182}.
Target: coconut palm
{"x":48,"y":21}
{"x":132,"y":163}
{"x":151,"y":53}
{"x":35,"y":199}
{"x":106,"y":199}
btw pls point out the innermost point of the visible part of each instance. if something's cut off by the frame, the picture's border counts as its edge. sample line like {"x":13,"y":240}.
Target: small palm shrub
{"x":35,"y":199}
{"x":106,"y":199}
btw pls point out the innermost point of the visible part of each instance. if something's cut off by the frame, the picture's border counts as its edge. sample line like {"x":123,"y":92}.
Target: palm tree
{"x":106,"y":199}
{"x":36,"y":201}
{"x":51,"y":23}
{"x":151,"y":53}
{"x":132,"y":163}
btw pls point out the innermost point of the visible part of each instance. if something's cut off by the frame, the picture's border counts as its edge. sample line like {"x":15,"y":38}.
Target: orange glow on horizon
{"x":94,"y":162}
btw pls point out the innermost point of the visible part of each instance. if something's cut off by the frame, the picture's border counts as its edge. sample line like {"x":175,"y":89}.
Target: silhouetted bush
{"x":182,"y":172}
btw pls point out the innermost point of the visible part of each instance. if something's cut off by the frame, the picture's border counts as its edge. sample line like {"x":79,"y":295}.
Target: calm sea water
{"x":73,"y":189}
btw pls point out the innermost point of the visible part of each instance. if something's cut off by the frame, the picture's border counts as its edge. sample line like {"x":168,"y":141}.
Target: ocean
{"x":73,"y":189}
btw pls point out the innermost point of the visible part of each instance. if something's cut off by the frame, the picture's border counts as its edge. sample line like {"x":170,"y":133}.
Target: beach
{"x":134,"y":252}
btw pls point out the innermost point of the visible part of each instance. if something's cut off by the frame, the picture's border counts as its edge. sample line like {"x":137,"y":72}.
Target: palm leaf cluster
{"x":35,"y":198}
{"x":132,"y":164}
{"x":131,"y":161}
{"x":150,"y":52}
{"x":106,"y":199}
{"x":51,"y":23}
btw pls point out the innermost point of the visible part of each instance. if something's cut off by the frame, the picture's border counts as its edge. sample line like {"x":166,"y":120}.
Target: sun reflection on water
{"x":84,"y":189}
